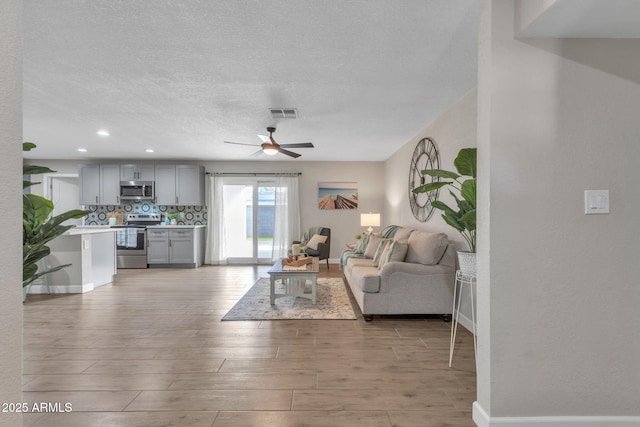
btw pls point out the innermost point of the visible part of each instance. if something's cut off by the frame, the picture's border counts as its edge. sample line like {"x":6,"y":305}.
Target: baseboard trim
{"x":60,"y":289}
{"x":481,"y":419}
{"x":466,"y":322}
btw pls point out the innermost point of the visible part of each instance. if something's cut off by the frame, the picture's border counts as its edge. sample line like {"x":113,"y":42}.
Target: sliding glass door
{"x":249,"y":209}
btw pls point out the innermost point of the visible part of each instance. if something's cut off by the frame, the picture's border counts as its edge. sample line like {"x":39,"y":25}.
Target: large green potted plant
{"x":462,"y":187}
{"x":39,"y":226}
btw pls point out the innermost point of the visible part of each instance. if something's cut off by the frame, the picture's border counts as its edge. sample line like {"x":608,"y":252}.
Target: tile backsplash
{"x":189,"y":215}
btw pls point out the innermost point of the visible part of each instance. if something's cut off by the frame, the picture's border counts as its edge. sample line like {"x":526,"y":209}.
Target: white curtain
{"x":287,"y":215}
{"x":215,"y":253}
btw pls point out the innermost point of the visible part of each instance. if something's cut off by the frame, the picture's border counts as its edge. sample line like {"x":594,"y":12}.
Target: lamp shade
{"x":370,"y":220}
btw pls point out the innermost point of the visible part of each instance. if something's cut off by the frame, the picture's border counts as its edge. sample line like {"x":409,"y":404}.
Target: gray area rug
{"x":332,"y":302}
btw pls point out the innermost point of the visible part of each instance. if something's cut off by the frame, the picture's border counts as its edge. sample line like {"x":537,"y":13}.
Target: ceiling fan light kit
{"x":269,"y":149}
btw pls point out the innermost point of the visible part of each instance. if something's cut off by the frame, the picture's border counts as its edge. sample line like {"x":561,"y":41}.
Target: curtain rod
{"x":255,"y":173}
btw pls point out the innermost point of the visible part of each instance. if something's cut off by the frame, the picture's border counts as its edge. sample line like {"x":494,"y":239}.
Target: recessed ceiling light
{"x":103,"y":132}
{"x":82,"y":150}
{"x":149,"y":150}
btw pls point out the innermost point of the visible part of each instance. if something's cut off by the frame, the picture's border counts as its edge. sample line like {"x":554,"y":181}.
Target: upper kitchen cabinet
{"x":179,"y":185}
{"x":109,"y":184}
{"x":137,"y":172}
{"x":99,"y":184}
{"x":89,"y":184}
{"x":189,"y":185}
{"x":166,"y":185}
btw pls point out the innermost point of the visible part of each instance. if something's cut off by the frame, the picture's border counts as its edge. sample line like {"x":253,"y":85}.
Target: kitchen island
{"x":91,"y":251}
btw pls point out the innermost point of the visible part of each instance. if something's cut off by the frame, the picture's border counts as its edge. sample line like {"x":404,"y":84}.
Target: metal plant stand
{"x":463,"y":280}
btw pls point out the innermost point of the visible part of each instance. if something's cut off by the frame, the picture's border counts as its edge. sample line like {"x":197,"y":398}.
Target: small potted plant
{"x":173,"y":216}
{"x":462,"y":187}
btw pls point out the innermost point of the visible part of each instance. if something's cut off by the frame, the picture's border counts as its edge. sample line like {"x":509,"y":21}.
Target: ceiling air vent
{"x":283,"y":113}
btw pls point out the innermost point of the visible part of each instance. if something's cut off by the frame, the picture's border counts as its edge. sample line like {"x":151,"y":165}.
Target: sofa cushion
{"x":394,"y":252}
{"x":425,"y":247}
{"x":402,"y":234}
{"x":315,"y":240}
{"x":372,"y":245}
{"x":366,"y":278}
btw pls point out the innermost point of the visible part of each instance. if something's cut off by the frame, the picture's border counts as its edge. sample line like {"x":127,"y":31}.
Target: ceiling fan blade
{"x":241,"y":143}
{"x":301,"y":145}
{"x":268,"y":139}
{"x":257,"y":153}
{"x":289,"y":153}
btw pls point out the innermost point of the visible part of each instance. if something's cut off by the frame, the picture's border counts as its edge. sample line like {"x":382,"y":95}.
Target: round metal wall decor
{"x":425,"y":156}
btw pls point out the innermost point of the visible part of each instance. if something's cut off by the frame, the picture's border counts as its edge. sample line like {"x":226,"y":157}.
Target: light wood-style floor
{"x":150,"y":350}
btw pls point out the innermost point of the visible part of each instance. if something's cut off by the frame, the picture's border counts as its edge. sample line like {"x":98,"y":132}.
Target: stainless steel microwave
{"x":137,"y":190}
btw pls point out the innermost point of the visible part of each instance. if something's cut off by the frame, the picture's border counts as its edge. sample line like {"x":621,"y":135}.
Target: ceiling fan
{"x":271,"y":147}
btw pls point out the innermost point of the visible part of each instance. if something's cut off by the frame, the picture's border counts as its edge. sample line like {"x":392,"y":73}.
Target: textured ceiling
{"x":182,"y":76}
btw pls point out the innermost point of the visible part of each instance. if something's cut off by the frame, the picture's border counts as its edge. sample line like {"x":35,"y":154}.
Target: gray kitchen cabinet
{"x":109,"y":184}
{"x":157,"y":246}
{"x":178,"y":247}
{"x":99,"y":184}
{"x":137,"y":172}
{"x":89,"y":184}
{"x":165,"y":185}
{"x":179,"y":185}
{"x":189,"y":185}
{"x":181,"y":246}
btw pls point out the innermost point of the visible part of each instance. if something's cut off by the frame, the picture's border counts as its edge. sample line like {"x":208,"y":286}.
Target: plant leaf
{"x":466,"y":161}
{"x":28,"y":146}
{"x":469,"y":220}
{"x":432,"y":186}
{"x":453,"y":222}
{"x":35,"y":170}
{"x":440,"y":173}
{"x":468,"y":191}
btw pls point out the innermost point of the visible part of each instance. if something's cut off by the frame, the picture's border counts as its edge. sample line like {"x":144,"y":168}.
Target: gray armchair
{"x":324,"y":249}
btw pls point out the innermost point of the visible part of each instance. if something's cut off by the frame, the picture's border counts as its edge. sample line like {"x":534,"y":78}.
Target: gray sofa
{"x":415,"y":276}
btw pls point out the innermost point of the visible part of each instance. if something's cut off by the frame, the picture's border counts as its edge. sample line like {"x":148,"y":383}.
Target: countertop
{"x":91,"y":229}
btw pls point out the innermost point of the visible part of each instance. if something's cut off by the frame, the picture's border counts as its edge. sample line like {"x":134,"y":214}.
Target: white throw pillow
{"x":315,"y":240}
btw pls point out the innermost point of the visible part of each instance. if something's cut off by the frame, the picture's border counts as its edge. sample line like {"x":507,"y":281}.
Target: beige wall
{"x":344,"y":224}
{"x":453,"y":130}
{"x":556,"y":118}
{"x":10,"y":207}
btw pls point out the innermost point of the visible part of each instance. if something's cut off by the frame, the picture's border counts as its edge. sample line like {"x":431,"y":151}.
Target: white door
{"x":63,"y":192}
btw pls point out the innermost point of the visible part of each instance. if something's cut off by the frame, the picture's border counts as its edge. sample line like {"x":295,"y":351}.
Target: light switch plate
{"x":596,"y":202}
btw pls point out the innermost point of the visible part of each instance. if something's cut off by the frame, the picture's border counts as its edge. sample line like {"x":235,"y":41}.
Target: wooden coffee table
{"x":294,"y":280}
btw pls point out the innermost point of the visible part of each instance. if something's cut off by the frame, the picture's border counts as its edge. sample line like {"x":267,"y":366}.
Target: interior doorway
{"x":62,"y":190}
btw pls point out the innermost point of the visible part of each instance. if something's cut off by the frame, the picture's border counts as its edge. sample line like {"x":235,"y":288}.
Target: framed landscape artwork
{"x":338,"y":195}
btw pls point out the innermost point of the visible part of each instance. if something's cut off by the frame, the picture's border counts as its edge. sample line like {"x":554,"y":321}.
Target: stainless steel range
{"x":131,"y":240}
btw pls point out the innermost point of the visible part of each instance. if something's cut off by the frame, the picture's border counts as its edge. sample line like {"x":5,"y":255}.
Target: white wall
{"x":561,"y":338}
{"x":344,"y":224}
{"x":10,"y":207}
